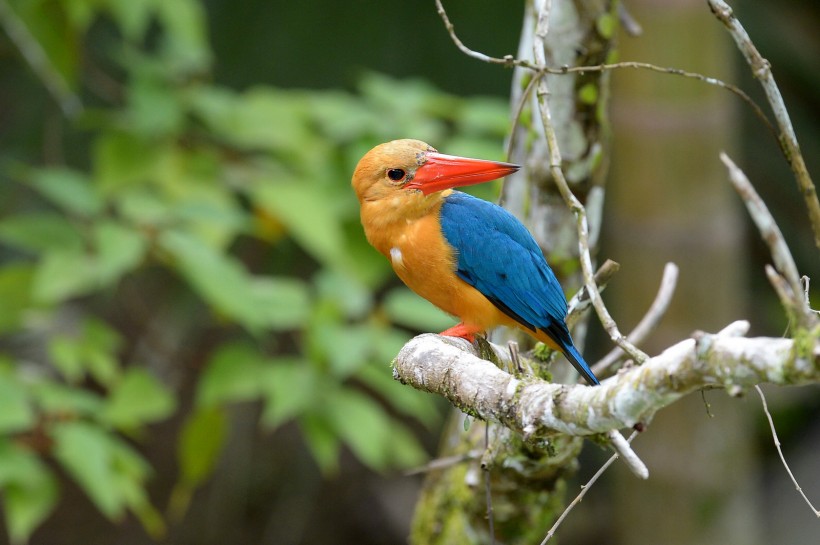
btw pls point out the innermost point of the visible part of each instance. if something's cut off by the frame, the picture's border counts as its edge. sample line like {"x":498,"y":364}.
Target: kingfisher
{"x":467,"y":256}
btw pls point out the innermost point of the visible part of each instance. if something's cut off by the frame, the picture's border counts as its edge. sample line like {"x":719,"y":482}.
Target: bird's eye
{"x":395,"y":174}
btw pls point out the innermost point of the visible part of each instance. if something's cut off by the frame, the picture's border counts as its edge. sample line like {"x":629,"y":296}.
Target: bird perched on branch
{"x":467,"y":256}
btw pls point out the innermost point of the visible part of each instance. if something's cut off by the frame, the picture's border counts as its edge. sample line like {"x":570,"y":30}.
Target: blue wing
{"x":498,"y":256}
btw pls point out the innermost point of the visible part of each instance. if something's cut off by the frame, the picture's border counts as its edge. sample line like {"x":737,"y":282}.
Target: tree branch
{"x":762,"y":71}
{"x":791,"y":290}
{"x":537,"y":409}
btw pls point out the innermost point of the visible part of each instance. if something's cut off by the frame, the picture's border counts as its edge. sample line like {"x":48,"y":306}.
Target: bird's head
{"x":411,"y":169}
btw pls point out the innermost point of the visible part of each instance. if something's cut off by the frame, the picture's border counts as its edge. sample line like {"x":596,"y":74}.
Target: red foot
{"x":462,"y":331}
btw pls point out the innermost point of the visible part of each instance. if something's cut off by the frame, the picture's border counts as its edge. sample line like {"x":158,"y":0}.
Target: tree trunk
{"x":669,"y":200}
{"x":528,"y":481}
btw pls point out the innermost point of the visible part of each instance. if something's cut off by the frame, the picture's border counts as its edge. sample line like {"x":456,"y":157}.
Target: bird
{"x":469,"y":257}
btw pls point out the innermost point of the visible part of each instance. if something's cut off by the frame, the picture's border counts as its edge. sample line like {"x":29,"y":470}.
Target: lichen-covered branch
{"x":536,"y":408}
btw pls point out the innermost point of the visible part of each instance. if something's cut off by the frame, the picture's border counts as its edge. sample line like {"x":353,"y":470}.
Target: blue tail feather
{"x":580,"y":364}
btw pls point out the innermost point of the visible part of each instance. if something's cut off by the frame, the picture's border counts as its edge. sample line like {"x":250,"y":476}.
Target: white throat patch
{"x":395,"y":257}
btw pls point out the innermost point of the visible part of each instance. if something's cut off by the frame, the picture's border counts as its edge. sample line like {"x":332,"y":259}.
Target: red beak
{"x":441,"y":172}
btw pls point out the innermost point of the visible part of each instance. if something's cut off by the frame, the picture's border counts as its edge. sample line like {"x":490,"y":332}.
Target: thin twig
{"x":622,"y":448}
{"x":508,"y":60}
{"x":445,"y":462}
{"x":488,"y":485}
{"x":780,"y":451}
{"x":675,"y":72}
{"x":630,"y":25}
{"x":762,"y":71}
{"x":542,"y":28}
{"x":649,"y":322}
{"x":584,"y":489}
{"x":784,"y":293}
{"x":519,"y":109}
{"x":771,"y":234}
{"x":805,"y":281}
{"x":580,"y":301}
{"x":539,"y":69}
{"x":516,"y":359}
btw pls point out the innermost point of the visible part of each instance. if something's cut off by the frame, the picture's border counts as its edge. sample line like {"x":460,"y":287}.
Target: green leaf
{"x":262,"y":118}
{"x":58,"y":399}
{"x":606,"y":24}
{"x":29,"y":490}
{"x":404,"y":449}
{"x":122,"y":160}
{"x":388,"y":342}
{"x":92,"y":351}
{"x":16,"y":413}
{"x":128,"y":472}
{"x":588,"y":94}
{"x":234,"y":373}
{"x":350,"y":296}
{"x":347,"y":348}
{"x":66,"y":356}
{"x":85,"y":452}
{"x":132,"y":17}
{"x":70,"y":190}
{"x":362,"y":425}
{"x":220,"y":279}
{"x":413,"y":105}
{"x":484,"y":116}
{"x":341,"y":116}
{"x":282,"y":303}
{"x":67,"y":273}
{"x":322,"y":441}
{"x":255,"y":302}
{"x":110,"y":472}
{"x":408,"y":401}
{"x":41,"y":232}
{"x":142,"y":206}
{"x":118,"y":250}
{"x":153,"y":108}
{"x":290,"y":387}
{"x":63,"y":274}
{"x":15,"y":295}
{"x":211,"y":215}
{"x":200,"y":444}
{"x":100,"y":343}
{"x":184,"y":40}
{"x":408,"y":309}
{"x":374,"y":438}
{"x":310,"y":216}
{"x":137,"y":399}
{"x":79,"y":13}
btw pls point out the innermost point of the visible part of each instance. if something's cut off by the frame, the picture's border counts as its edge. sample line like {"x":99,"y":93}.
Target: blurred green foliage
{"x":198,"y":232}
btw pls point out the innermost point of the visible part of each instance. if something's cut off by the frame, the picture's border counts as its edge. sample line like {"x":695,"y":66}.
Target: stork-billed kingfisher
{"x":467,"y":256}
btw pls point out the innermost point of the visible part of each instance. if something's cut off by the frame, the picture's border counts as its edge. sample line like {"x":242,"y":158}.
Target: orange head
{"x":412,"y":171}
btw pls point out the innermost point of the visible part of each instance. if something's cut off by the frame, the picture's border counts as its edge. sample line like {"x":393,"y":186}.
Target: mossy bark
{"x":528,"y":481}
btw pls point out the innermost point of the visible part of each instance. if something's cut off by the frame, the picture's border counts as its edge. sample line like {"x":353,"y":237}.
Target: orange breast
{"x":424,"y":261}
